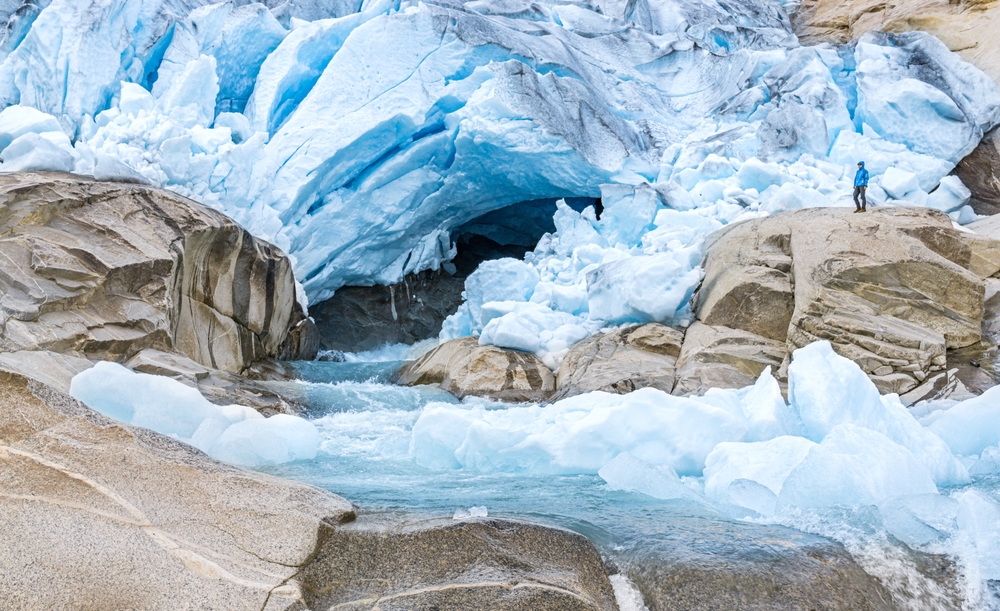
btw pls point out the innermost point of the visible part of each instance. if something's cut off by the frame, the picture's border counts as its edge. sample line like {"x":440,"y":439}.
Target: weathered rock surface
{"x":980,"y":172}
{"x":463,"y":368}
{"x":621,"y":362}
{"x":444,"y":565}
{"x":892,"y":289}
{"x":104,"y":270}
{"x":360,"y":318}
{"x":101,"y":515}
{"x":722,"y":357}
{"x":968,"y":27}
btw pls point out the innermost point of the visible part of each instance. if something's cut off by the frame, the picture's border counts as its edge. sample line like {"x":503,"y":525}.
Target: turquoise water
{"x":365,"y":423}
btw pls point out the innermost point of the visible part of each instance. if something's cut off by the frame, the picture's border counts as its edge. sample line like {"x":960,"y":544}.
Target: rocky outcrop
{"x":621,"y":362}
{"x":104,"y":270}
{"x":892,"y":289}
{"x":723,"y":357}
{"x":968,"y":27}
{"x":360,"y":318}
{"x":980,"y":172}
{"x":445,"y":565}
{"x":101,"y":515}
{"x":464,"y":368}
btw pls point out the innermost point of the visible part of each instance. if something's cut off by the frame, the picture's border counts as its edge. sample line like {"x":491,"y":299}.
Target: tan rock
{"x":721,"y":357}
{"x":891,"y":289}
{"x":446,"y":565}
{"x":100,"y":515}
{"x":104,"y":270}
{"x":464,"y":368}
{"x":621,"y":362}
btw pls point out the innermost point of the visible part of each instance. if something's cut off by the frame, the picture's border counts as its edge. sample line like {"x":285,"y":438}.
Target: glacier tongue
{"x":359,"y":139}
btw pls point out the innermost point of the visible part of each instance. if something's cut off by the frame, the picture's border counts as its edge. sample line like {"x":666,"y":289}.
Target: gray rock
{"x":366,"y":317}
{"x":51,"y":368}
{"x":104,"y":270}
{"x":464,"y":368}
{"x":621,"y":362}
{"x":721,"y":357}
{"x":445,"y":565}
{"x":101,"y":515}
{"x":980,"y":172}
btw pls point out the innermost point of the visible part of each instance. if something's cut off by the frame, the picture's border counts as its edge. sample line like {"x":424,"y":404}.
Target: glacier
{"x":359,"y":137}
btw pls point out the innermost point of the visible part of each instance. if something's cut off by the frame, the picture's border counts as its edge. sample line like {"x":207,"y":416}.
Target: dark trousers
{"x":864,"y":200}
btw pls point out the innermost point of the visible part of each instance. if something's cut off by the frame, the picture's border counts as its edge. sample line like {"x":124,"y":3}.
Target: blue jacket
{"x":861,"y":178}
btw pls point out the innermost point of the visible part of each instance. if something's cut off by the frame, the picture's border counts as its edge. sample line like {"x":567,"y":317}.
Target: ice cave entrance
{"x":359,"y":318}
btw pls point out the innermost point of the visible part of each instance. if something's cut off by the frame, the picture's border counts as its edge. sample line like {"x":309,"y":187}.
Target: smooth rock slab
{"x":721,"y":357}
{"x":101,"y":515}
{"x":445,"y":565}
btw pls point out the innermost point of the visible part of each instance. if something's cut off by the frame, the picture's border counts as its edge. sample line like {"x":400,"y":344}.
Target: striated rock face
{"x":892,"y":289}
{"x":723,"y":357}
{"x":968,"y":27}
{"x":463,"y":368}
{"x":104,"y":270}
{"x":980,"y":172}
{"x":101,"y":515}
{"x":457,"y":566}
{"x":621,"y":362}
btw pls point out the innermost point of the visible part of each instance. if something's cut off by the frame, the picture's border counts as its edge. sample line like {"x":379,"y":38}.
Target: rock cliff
{"x":104,"y":270}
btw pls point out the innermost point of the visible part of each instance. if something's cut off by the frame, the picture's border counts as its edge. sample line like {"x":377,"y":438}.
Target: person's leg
{"x":864,"y":199}
{"x":857,"y":204}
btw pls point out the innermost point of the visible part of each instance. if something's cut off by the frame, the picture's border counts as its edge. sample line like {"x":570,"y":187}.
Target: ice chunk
{"x":978,"y":520}
{"x":472,"y":512}
{"x":920,"y":520}
{"x":498,"y":280}
{"x":755,"y":174}
{"x":576,"y":435}
{"x":33,"y":152}
{"x":626,"y":472}
{"x":133,"y":99}
{"x":827,"y":390}
{"x":532,"y":327}
{"x":18,"y":120}
{"x":641,"y":289}
{"x":233,"y":433}
{"x":950,"y":195}
{"x":970,"y":426}
{"x":898,"y":183}
{"x":767,"y":414}
{"x":768,"y":464}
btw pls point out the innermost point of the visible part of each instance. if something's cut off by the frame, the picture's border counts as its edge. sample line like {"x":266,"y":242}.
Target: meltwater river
{"x":366,"y":424}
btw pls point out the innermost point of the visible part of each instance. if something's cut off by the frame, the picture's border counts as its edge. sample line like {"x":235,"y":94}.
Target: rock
{"x":721,"y":357}
{"x":967,"y":27}
{"x":219,"y":387}
{"x":942,"y":385}
{"x":51,"y":368}
{"x":456,"y":566}
{"x":980,"y":172}
{"x":360,"y":318}
{"x":891,"y":289}
{"x":464,"y":368}
{"x":101,"y":515}
{"x":104,"y":270}
{"x":621,"y":362}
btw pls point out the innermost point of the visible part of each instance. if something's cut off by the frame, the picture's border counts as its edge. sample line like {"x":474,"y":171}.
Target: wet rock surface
{"x":446,"y":565}
{"x":103,"y":270}
{"x":464,"y":368}
{"x":980,"y":172}
{"x":359,"y":318}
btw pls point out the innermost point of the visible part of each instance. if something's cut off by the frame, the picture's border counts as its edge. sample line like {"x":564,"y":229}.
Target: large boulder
{"x":621,"y":361}
{"x":892,"y":289}
{"x":980,"y":172}
{"x":464,"y":368}
{"x":723,"y":357}
{"x":446,"y":565}
{"x":102,"y":515}
{"x":104,"y":270}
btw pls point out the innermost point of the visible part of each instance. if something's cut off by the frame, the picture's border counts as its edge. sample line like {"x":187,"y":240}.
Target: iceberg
{"x":232,"y":433}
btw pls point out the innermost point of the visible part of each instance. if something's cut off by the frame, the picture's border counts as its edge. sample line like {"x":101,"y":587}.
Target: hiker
{"x":860,"y":186}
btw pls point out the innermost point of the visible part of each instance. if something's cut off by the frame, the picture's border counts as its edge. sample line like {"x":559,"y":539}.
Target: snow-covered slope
{"x":358,"y":142}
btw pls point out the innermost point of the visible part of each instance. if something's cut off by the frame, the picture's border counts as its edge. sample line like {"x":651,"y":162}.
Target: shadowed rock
{"x":103,"y":270}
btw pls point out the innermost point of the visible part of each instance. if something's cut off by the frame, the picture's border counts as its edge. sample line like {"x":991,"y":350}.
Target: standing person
{"x":860,"y":186}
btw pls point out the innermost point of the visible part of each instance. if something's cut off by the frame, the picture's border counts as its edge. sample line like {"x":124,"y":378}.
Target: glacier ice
{"x":231,"y":433}
{"x":357,"y":137}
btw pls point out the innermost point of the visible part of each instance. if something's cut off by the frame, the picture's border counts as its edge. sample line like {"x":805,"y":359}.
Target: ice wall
{"x":358,"y":142}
